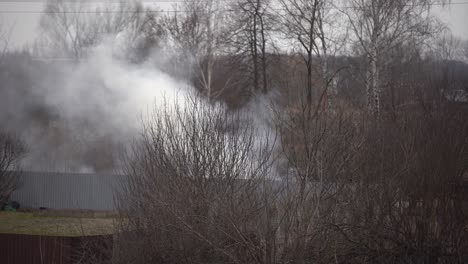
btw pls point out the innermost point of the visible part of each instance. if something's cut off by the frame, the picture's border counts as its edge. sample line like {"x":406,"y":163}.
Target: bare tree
{"x":71,"y":27}
{"x":447,"y":47}
{"x":4,"y":38}
{"x":302,"y":22}
{"x":446,"y":57}
{"x":465,"y":50}
{"x":252,"y":24}
{"x":197,"y":32}
{"x":11,"y":151}
{"x":380,"y":26}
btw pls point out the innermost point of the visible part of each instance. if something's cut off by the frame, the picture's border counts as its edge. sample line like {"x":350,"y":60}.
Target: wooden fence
{"x":30,"y":249}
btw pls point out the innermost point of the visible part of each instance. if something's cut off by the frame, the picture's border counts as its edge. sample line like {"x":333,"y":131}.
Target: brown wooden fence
{"x":29,"y":249}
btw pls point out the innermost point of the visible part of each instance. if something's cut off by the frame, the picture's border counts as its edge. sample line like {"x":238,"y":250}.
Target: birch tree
{"x":379,"y":26}
{"x":196,"y":32}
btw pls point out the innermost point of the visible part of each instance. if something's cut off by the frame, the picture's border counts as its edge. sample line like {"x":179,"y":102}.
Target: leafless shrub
{"x":11,"y":151}
{"x":347,"y":188}
{"x":406,"y":199}
{"x":319,"y":151}
{"x":91,"y":249}
{"x":193,"y":192}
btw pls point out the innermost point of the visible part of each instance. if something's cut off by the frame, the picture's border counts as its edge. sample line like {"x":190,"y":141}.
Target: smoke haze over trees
{"x":89,"y":77}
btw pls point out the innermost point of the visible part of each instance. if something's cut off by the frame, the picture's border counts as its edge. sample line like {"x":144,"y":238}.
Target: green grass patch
{"x":31,"y":224}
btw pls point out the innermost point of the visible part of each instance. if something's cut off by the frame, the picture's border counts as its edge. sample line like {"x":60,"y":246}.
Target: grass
{"x":31,"y":224}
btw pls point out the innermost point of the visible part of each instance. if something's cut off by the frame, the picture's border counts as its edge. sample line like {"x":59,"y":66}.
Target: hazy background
{"x":24,"y":17}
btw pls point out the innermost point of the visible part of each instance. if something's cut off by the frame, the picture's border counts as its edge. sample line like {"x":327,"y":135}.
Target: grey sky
{"x":24,"y":25}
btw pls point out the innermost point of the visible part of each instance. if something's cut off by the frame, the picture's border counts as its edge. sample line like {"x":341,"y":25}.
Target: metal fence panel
{"x":66,"y":190}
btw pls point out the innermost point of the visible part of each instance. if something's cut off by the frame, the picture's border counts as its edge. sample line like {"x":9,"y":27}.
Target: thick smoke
{"x":91,"y":108}
{"x":79,"y":116}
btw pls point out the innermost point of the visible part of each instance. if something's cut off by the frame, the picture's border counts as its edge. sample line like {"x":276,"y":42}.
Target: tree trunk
{"x":375,"y":82}
{"x":264,"y":67}
{"x":309,"y":79}
{"x":254,"y":50}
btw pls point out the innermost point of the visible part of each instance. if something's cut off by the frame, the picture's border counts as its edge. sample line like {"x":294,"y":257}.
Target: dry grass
{"x":30,"y":224}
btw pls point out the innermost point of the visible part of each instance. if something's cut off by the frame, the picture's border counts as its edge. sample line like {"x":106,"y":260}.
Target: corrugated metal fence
{"x":66,"y":190}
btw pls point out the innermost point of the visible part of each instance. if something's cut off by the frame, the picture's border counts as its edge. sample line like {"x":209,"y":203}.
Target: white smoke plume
{"x":78,"y":116}
{"x":98,"y":103}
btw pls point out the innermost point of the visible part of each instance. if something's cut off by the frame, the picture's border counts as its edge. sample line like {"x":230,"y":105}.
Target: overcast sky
{"x":23,"y":18}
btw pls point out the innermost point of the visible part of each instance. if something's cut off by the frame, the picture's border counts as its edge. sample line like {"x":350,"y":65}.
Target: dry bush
{"x":202,"y":188}
{"x":319,"y":153}
{"x":344,"y":187}
{"x":12,"y":150}
{"x":194,"y":188}
{"x":90,"y":249}
{"x":406,"y":200}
